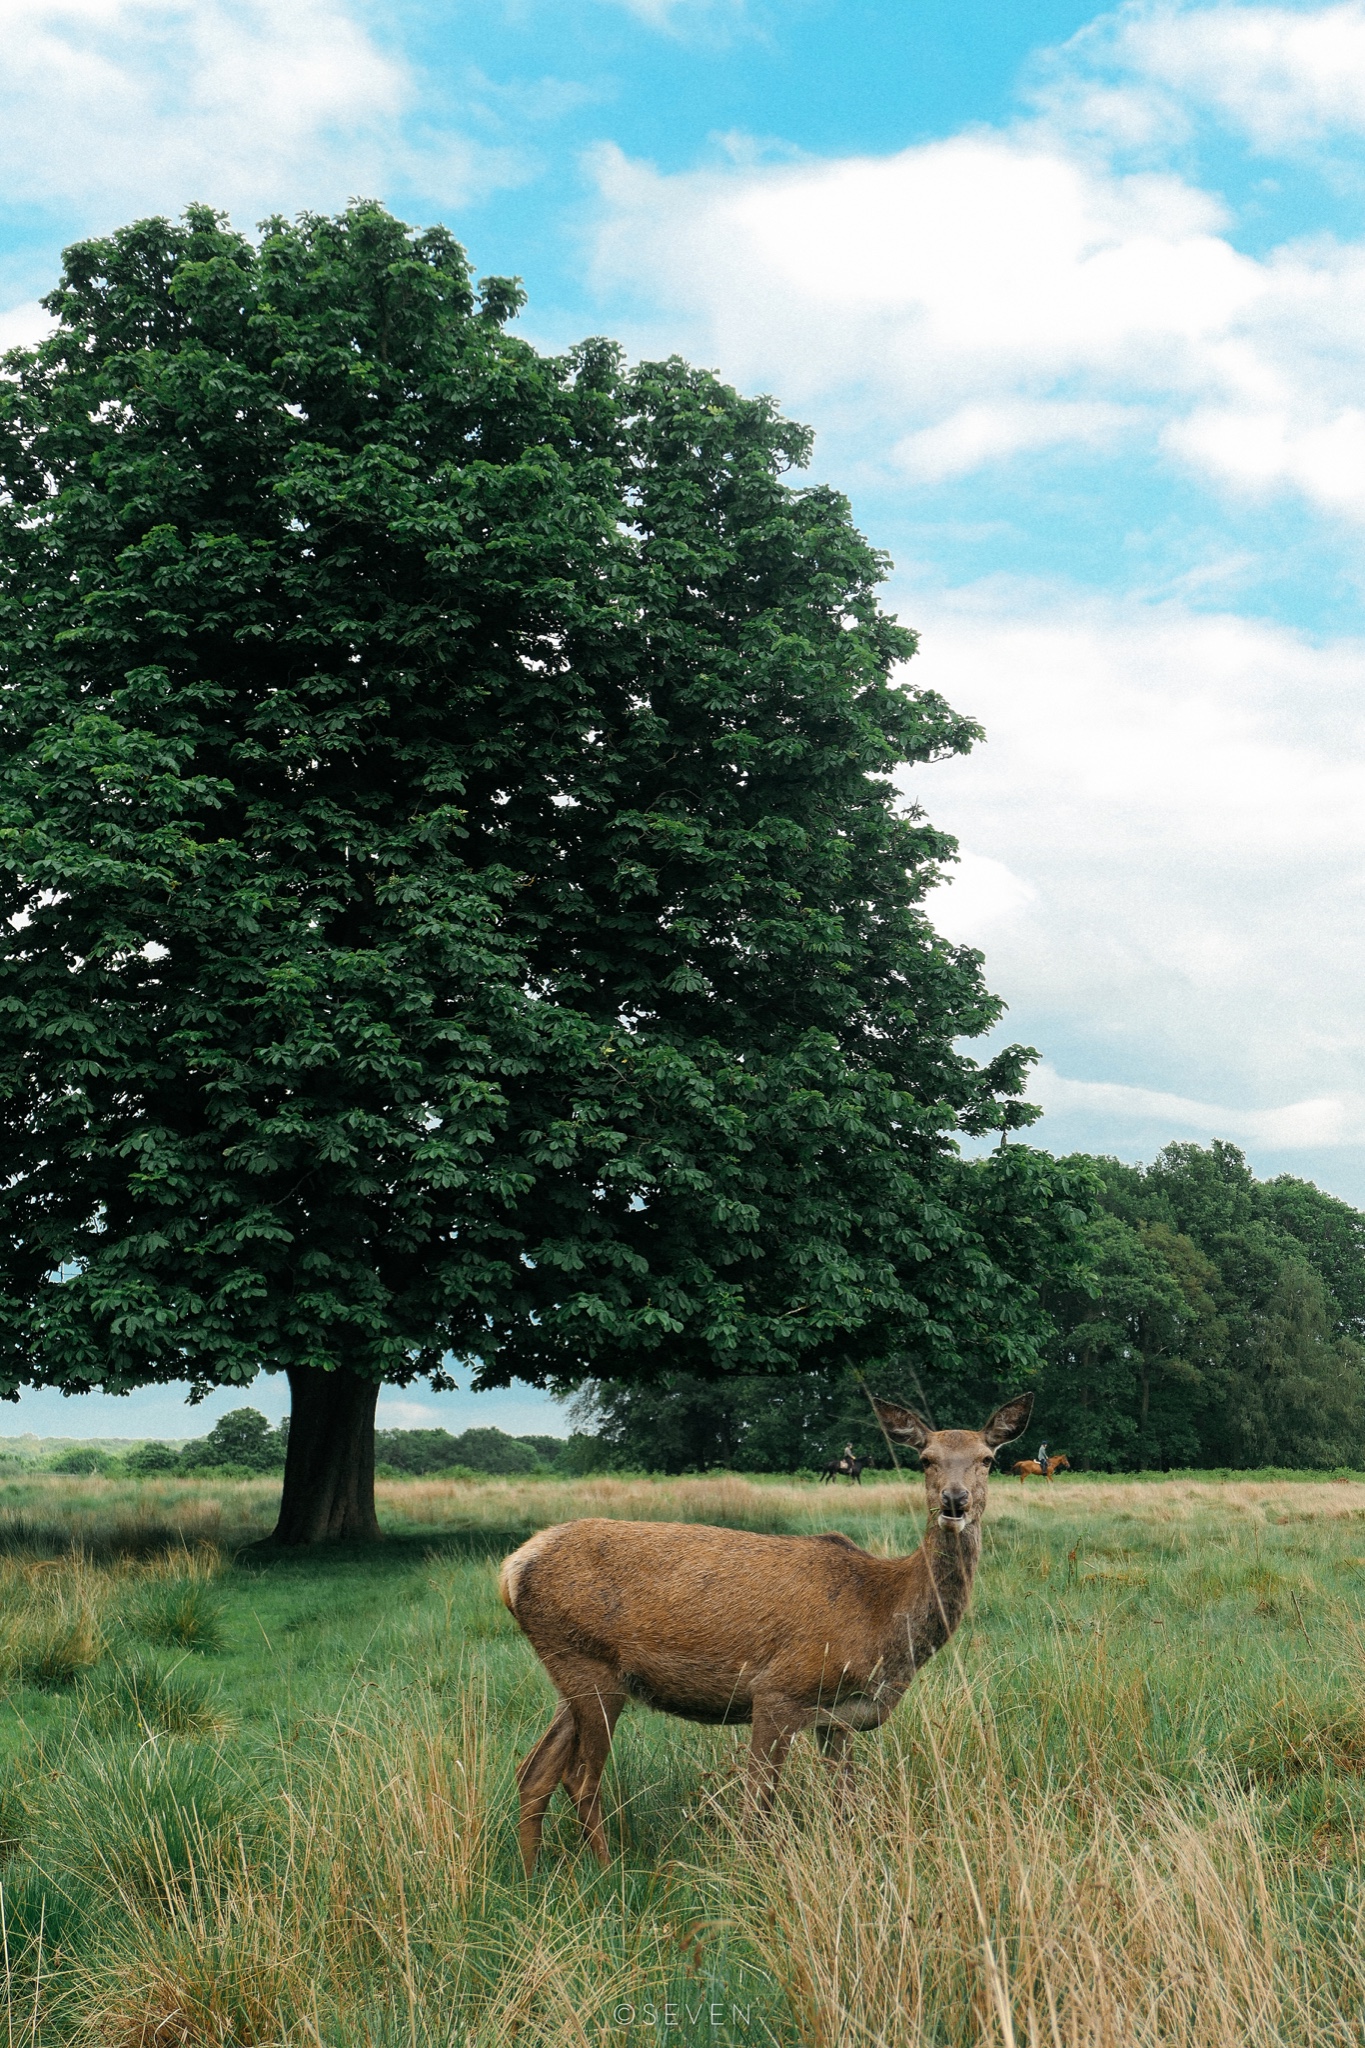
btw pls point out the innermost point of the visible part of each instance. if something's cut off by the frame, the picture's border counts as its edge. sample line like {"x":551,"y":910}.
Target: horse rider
{"x":1042,"y":1459}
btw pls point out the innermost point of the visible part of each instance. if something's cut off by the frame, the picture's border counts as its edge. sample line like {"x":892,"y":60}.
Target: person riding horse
{"x":848,"y":1465}
{"x":1042,"y":1459}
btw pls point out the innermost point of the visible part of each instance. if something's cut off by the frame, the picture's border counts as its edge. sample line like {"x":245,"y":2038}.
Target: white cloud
{"x":970,"y":300}
{"x":1166,"y":831}
{"x":1286,"y":77}
{"x":393,"y":1413}
{"x":518,"y":1409}
{"x":686,"y":18}
{"x":923,"y":275}
{"x":22,"y":326}
{"x":976,"y":896}
{"x":1326,"y":1122}
{"x":976,"y":434}
{"x":115,"y":105}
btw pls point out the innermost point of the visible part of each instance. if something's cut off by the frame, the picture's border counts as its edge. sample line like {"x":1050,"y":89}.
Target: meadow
{"x":251,"y":1799}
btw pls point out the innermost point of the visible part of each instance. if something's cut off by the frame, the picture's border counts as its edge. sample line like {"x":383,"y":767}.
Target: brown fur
{"x":717,"y":1625}
{"x":1029,"y":1468}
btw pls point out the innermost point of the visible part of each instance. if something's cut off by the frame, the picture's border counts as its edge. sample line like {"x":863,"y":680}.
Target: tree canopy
{"x":1221,"y":1324}
{"x":458,"y":900}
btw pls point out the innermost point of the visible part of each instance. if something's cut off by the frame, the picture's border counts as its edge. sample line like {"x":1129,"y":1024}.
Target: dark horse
{"x":846,"y":1468}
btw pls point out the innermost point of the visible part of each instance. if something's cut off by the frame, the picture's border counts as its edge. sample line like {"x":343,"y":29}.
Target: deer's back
{"x":696,"y":1620}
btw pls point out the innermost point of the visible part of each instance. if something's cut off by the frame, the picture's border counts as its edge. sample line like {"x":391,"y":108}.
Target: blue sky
{"x":1076,"y":303}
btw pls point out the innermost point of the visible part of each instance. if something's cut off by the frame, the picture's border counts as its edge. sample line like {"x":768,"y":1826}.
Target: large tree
{"x":457,"y":899}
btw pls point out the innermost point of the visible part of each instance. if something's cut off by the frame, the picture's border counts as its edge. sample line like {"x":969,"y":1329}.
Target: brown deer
{"x":718,"y":1625}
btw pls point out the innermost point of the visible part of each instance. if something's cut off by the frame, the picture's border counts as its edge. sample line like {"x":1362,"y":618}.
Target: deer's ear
{"x":1009,"y":1422}
{"x":902,"y":1424}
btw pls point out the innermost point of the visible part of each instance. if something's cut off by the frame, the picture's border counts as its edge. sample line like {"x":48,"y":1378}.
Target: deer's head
{"x":957,"y":1462}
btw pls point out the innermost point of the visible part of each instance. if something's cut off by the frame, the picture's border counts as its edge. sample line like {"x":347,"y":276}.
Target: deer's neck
{"x":937,"y":1588}
{"x":951,"y":1559}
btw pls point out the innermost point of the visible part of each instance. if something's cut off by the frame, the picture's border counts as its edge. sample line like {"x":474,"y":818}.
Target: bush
{"x":82,"y":1459}
{"x":145,"y":1459}
{"x":582,"y":1454}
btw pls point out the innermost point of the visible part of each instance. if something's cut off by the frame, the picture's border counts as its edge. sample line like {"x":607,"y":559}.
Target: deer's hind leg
{"x":596,"y":1708}
{"x":538,"y":1775}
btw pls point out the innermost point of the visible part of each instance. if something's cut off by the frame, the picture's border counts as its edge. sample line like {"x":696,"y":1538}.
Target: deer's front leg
{"x":776,"y":1723}
{"x":834,"y":1740}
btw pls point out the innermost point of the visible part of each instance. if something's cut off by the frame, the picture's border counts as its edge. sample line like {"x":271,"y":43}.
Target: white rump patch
{"x":509,"y":1578}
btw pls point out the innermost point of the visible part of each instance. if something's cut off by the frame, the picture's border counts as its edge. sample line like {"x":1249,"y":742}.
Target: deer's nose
{"x":956,"y":1501}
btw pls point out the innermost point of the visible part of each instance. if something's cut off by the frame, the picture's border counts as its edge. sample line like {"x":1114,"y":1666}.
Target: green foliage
{"x":82,"y":1460}
{"x":1220,"y":1326}
{"x":1216,"y":1325}
{"x":546,"y":1448}
{"x":415,"y":1451}
{"x":418,"y":1451}
{"x":456,"y":892}
{"x":242,"y":1440}
{"x":146,"y":1460}
{"x":583,"y":1452}
{"x":1332,"y":1234}
{"x":488,"y":1450}
{"x":746,"y":1424}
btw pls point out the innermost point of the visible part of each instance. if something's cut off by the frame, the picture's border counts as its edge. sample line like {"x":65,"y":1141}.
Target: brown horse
{"x":1029,"y":1468}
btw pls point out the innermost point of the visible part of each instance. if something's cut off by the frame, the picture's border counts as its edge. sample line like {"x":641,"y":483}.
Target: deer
{"x":723,"y":1626}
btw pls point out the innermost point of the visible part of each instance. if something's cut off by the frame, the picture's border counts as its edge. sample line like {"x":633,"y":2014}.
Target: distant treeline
{"x":415,"y":1452}
{"x":1222,"y":1326}
{"x":243,"y":1445}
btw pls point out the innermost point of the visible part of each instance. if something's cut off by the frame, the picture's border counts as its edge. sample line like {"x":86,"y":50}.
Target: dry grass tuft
{"x":358,"y":1872}
{"x":938,"y":1910}
{"x":52,"y":1620}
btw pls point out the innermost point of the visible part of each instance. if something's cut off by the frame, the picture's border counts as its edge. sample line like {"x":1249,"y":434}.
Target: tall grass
{"x":1098,"y":1911}
{"x":1126,"y":1806}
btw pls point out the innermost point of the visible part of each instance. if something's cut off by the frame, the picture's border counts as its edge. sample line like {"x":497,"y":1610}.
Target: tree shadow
{"x":391,"y":1555}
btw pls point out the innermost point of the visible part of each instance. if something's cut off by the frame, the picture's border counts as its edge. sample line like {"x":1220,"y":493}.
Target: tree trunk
{"x":329,"y":1462}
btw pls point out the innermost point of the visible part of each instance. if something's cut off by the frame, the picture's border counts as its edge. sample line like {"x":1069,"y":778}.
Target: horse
{"x":1029,"y":1468}
{"x":847,"y":1468}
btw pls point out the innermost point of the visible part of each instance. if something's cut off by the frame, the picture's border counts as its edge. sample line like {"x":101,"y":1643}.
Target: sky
{"x":1075,"y":302}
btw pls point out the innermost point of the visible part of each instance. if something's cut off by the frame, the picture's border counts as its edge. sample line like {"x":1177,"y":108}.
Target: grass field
{"x":270,"y":1801}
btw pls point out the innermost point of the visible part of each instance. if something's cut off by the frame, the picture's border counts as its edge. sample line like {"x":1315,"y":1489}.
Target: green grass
{"x":251,"y":1799}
